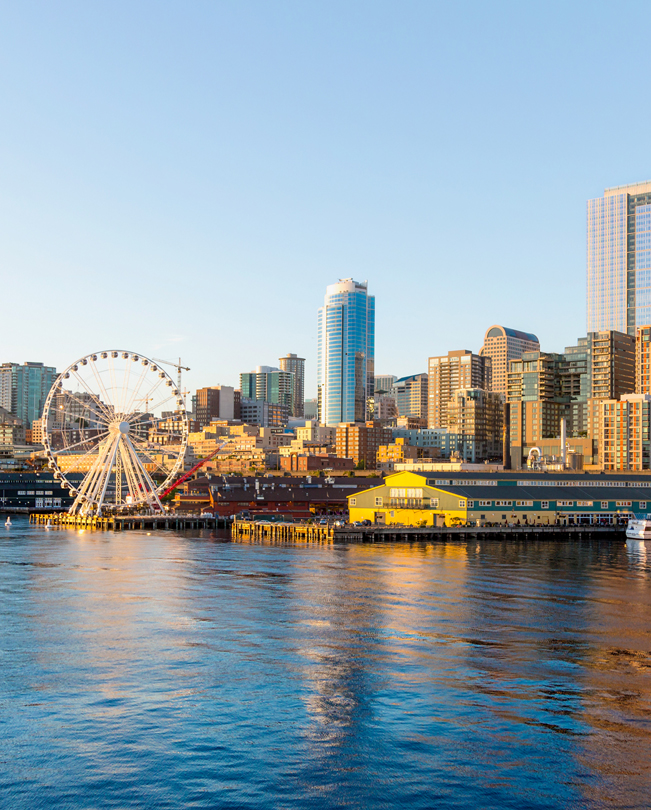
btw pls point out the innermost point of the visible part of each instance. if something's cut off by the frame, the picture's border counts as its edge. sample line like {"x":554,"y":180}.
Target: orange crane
{"x":191,"y":471}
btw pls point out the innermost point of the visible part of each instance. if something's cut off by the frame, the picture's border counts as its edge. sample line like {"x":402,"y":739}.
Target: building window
{"x":471,"y":504}
{"x":642,"y":504}
{"x":544,"y":504}
{"x":584,"y":503}
{"x":353,"y":501}
{"x":624,"y":503}
{"x":378,"y":501}
{"x":485,"y":503}
{"x":503,"y":503}
{"x":524,"y":503}
{"x":565,"y":503}
{"x":604,"y":504}
{"x":462,"y":504}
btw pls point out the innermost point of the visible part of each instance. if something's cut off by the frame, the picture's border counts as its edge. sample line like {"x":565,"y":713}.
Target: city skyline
{"x":124,"y":194}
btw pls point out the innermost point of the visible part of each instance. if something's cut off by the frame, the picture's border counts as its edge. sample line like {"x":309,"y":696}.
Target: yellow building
{"x":525,"y":498}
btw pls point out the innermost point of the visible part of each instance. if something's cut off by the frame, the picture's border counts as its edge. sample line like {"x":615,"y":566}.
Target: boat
{"x":8,"y":522}
{"x":639,"y":528}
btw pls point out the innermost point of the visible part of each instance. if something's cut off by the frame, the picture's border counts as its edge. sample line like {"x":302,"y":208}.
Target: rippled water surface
{"x":173,"y":671}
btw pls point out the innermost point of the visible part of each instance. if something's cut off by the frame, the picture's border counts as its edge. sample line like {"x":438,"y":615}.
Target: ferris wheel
{"x":119,"y":419}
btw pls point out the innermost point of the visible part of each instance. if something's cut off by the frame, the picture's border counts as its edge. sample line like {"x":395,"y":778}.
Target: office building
{"x":625,"y":428}
{"x":384,"y":383}
{"x":24,"y":389}
{"x":295,"y":365}
{"x":345,"y":352}
{"x":410,"y":394}
{"x":502,"y":345}
{"x":477,"y":416}
{"x":361,"y":442}
{"x":269,"y":384}
{"x":215,"y":402}
{"x":311,"y":408}
{"x":447,"y":374}
{"x":619,"y":259}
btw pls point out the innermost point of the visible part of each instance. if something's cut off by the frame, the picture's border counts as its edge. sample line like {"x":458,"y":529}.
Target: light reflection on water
{"x":188,"y":671}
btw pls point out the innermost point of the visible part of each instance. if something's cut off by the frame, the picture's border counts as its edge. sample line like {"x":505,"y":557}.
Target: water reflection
{"x":264,"y":675}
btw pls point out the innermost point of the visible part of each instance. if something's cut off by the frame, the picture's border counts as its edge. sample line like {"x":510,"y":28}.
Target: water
{"x":182,"y":671}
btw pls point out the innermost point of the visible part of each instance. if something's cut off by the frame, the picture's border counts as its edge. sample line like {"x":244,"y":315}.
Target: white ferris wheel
{"x":120,"y":420}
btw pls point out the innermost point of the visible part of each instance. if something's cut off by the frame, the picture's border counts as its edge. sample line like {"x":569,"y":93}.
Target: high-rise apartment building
{"x":447,"y":374}
{"x":295,"y":365}
{"x":619,"y":259}
{"x":24,"y":389}
{"x":216,"y":402}
{"x":502,"y":345}
{"x":643,"y":360}
{"x":476,"y":416}
{"x":410,"y":394}
{"x":625,"y":427}
{"x":268,"y":384}
{"x":345,"y":352}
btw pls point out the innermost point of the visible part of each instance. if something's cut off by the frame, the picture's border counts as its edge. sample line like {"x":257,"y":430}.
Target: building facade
{"x":643,"y":360}
{"x":215,"y":402}
{"x":410,"y":394}
{"x":477,"y":416}
{"x":24,"y":389}
{"x":384,"y":383}
{"x":361,"y":442}
{"x":293,"y":364}
{"x":269,"y":384}
{"x":619,"y":259}
{"x":625,"y":426}
{"x":502,"y":345}
{"x":447,"y":374}
{"x":345,"y":352}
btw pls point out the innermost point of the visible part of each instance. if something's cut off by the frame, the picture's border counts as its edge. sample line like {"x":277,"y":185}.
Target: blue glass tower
{"x":619,"y":259}
{"x":346,"y":352}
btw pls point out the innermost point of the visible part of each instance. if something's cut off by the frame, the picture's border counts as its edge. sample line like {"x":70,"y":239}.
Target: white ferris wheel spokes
{"x":118,"y":419}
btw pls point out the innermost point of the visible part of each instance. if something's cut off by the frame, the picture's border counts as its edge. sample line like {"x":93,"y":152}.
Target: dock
{"x":299,"y":532}
{"x":120,"y":523}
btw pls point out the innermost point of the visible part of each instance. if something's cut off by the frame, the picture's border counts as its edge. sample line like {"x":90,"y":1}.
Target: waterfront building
{"x":312,"y":462}
{"x":215,"y":402}
{"x":269,"y":384}
{"x":452,"y":498}
{"x":447,"y":374}
{"x":295,"y":365}
{"x":24,"y":389}
{"x":619,"y":259}
{"x":345,"y":352}
{"x":625,"y":433}
{"x":410,"y":394}
{"x":477,"y":417}
{"x":361,"y":442}
{"x":383,"y":383}
{"x":502,"y":345}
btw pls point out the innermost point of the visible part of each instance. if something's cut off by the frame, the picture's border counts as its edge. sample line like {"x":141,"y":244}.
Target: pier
{"x":120,"y":523}
{"x":300,"y":532}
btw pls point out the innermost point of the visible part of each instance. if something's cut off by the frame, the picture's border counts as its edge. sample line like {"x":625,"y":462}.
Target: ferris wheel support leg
{"x":87,"y":484}
{"x":148,"y":486}
{"x":106,"y":475}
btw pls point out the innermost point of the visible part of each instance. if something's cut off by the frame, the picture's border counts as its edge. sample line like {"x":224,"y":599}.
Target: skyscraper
{"x":460,"y":369}
{"x":296,"y":366}
{"x":345,"y":352}
{"x":24,"y":389}
{"x":502,"y":345}
{"x":619,"y":259}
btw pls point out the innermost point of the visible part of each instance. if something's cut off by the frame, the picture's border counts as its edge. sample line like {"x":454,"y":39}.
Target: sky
{"x":186,"y":178}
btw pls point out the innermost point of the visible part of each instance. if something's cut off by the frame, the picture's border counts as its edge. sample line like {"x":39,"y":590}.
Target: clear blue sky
{"x":188,"y":177}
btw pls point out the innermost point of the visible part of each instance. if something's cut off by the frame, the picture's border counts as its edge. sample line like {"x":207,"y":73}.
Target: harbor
{"x":120,"y":523}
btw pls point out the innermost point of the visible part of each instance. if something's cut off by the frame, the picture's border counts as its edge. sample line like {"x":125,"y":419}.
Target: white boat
{"x":639,"y":528}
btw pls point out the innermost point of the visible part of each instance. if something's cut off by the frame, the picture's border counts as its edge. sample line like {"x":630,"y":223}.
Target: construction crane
{"x":177,"y":366}
{"x":192,"y":470}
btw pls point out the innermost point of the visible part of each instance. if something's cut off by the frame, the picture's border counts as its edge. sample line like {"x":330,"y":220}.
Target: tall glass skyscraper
{"x":345,"y":352}
{"x":619,"y":259}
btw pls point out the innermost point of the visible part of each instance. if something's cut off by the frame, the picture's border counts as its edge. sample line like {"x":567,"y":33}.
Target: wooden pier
{"x":121,"y":523}
{"x":300,"y":532}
